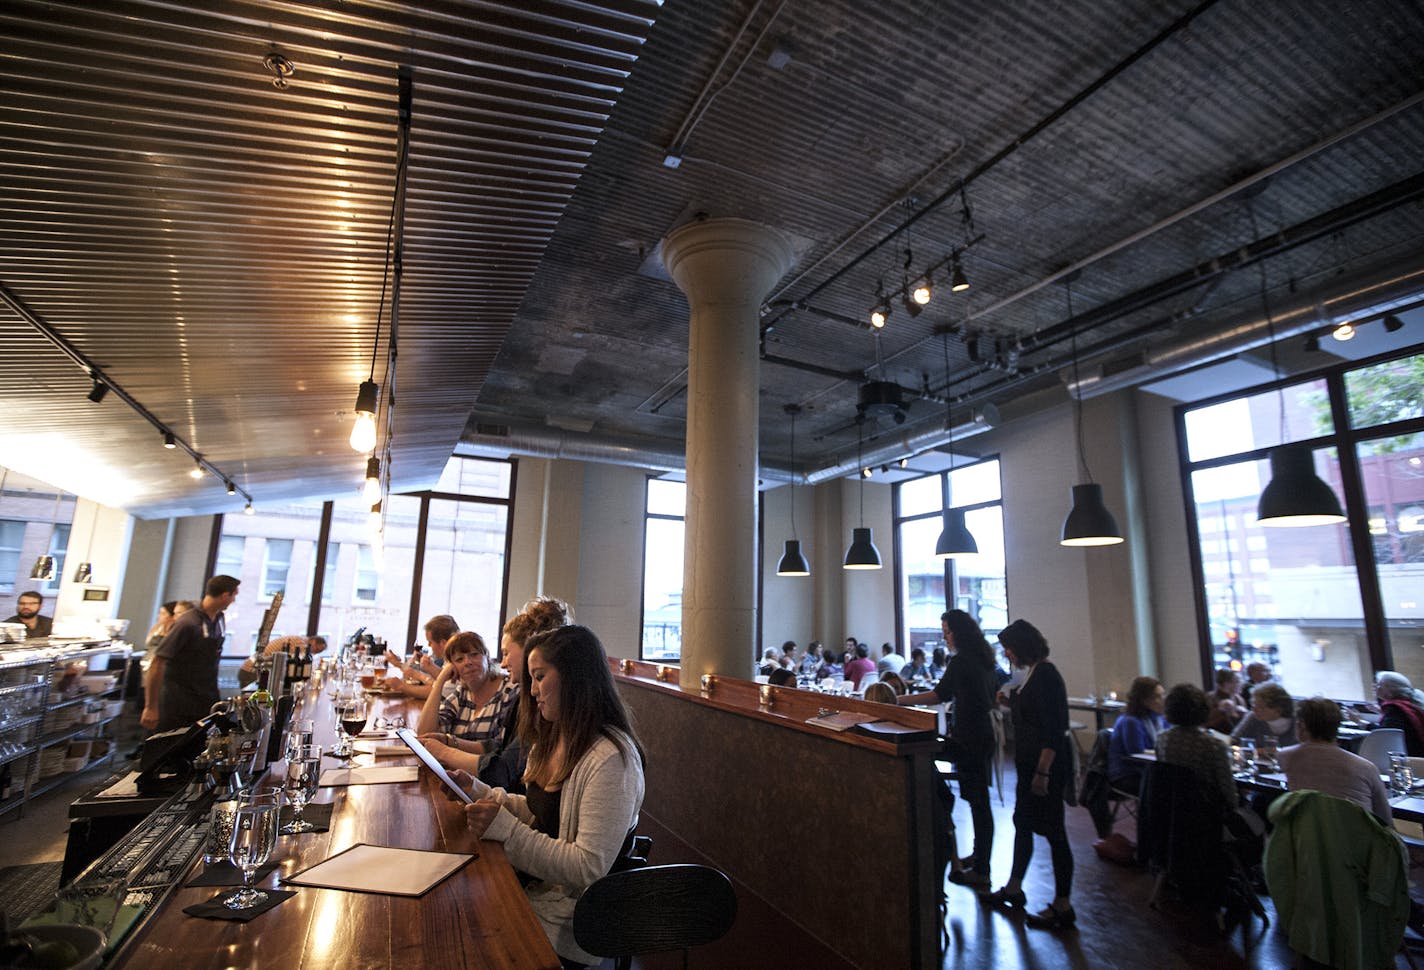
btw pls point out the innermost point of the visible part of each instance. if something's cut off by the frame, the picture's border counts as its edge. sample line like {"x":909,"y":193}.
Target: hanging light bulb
{"x":862,"y":553}
{"x":793,"y":563}
{"x":879,"y":315}
{"x":955,"y":539}
{"x":371,"y":492}
{"x":923,"y":292}
{"x":1295,"y":495}
{"x":1344,"y":331}
{"x":1089,"y":523}
{"x":363,"y":432}
{"x":197,"y":471}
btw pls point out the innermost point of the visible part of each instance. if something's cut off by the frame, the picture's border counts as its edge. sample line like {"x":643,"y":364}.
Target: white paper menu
{"x":381,"y":869}
{"x":335,"y":777}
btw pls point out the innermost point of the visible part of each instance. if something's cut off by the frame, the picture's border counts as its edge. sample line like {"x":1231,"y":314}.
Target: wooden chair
{"x":652,"y":910}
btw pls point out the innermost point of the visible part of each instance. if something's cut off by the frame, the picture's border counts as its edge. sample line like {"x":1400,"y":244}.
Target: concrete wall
{"x":610,"y":556}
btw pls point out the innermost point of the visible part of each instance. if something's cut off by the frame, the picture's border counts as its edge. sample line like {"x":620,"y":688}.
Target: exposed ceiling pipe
{"x":495,"y":439}
{"x":898,"y":446}
{"x":1359,"y":298}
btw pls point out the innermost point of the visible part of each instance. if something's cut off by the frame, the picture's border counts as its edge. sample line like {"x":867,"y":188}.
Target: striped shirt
{"x":462,"y":717}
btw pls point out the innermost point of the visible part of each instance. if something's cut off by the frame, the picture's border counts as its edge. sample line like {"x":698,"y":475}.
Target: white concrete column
{"x":726,"y":267}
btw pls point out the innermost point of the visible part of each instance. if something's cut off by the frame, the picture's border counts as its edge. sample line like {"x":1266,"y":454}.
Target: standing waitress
{"x":1043,"y":764}
{"x":182,"y":681}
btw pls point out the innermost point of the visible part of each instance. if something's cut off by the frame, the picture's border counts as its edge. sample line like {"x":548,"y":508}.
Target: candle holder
{"x":766,"y":695}
{"x":628,"y":666}
{"x":708,"y":682}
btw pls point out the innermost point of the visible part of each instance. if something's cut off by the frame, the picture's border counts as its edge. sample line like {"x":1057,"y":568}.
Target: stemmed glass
{"x":352,"y":715}
{"x":254,"y":836}
{"x":303,"y":770}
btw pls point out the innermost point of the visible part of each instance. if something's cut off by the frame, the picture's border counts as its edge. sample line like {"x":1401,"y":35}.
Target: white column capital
{"x":726,"y":260}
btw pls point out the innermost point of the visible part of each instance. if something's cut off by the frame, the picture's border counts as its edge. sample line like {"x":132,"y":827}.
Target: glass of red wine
{"x":352,"y":715}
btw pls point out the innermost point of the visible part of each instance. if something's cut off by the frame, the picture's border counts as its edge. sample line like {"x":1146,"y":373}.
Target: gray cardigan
{"x":598,"y":806}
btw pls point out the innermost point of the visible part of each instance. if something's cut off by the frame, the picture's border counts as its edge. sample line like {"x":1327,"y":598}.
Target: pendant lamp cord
{"x":793,"y":476}
{"x":1077,"y":388}
{"x":1270,"y":320}
{"x":859,"y":462}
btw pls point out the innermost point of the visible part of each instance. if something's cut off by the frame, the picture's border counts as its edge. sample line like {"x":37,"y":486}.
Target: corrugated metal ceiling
{"x":216,"y":244}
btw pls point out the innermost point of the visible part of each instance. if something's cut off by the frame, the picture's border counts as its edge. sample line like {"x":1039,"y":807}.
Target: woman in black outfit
{"x":969,"y":683}
{"x":1040,"y":712}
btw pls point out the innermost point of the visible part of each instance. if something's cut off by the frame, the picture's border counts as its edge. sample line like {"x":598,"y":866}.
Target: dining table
{"x":478,"y":917}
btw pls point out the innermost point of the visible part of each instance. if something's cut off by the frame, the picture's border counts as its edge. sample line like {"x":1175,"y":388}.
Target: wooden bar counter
{"x":478,"y":918}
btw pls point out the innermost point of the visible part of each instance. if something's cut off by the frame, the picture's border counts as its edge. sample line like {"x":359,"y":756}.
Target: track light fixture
{"x":1343,"y":331}
{"x":247,"y":509}
{"x":169,"y":441}
{"x":197,"y":471}
{"x":1311,"y":345}
{"x":958,"y":282}
{"x":98,"y":392}
{"x":866,"y":472}
{"x":1392,"y":323}
{"x":923,"y":292}
{"x":879,"y":315}
{"x":231,"y":488}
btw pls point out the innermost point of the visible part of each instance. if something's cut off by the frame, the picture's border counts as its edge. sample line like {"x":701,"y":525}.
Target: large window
{"x":1324,"y":606}
{"x":370,"y":581}
{"x":34,"y":521}
{"x":664,"y":530}
{"x":976,"y":584}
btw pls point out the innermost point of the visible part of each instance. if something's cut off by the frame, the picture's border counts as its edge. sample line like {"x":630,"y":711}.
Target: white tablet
{"x":423,"y":753}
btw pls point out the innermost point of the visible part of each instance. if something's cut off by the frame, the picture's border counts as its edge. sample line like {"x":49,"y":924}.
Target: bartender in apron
{"x":184,"y":669}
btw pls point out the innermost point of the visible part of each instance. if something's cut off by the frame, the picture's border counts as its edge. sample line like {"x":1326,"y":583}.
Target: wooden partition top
{"x":880,"y":727}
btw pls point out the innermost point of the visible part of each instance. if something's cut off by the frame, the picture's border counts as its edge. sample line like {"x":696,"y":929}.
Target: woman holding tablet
{"x":584,"y":781}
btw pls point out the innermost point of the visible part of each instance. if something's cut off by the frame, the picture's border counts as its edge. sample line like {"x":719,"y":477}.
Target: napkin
{"x":224,"y":873}
{"x":216,"y":908}
{"x":318,"y":815}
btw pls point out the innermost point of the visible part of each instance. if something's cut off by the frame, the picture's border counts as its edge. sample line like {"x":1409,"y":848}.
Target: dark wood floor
{"x":1116,"y":928}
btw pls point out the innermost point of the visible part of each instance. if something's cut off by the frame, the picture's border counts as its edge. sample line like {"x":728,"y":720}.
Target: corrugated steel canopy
{"x":216,"y":244}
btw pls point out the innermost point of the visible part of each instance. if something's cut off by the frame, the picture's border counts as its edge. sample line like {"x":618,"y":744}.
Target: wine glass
{"x":353,"y":722}
{"x":303,"y":770}
{"x":254,"y":836}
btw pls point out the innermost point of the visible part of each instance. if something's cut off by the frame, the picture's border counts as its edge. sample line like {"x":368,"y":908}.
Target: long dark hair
{"x":1140,"y":693}
{"x":589,"y":703}
{"x":969,"y":641}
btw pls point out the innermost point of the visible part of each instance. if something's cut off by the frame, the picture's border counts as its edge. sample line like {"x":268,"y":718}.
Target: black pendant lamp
{"x":862,"y":553}
{"x":792,"y":562}
{"x":1295,"y":496}
{"x":955,"y":539}
{"x":1089,"y":523}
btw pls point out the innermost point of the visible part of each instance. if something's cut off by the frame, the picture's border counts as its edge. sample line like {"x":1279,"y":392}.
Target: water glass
{"x":1267,"y":751}
{"x":1401,"y":776}
{"x":303,"y":771}
{"x":254,"y":837}
{"x":299,"y":735}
